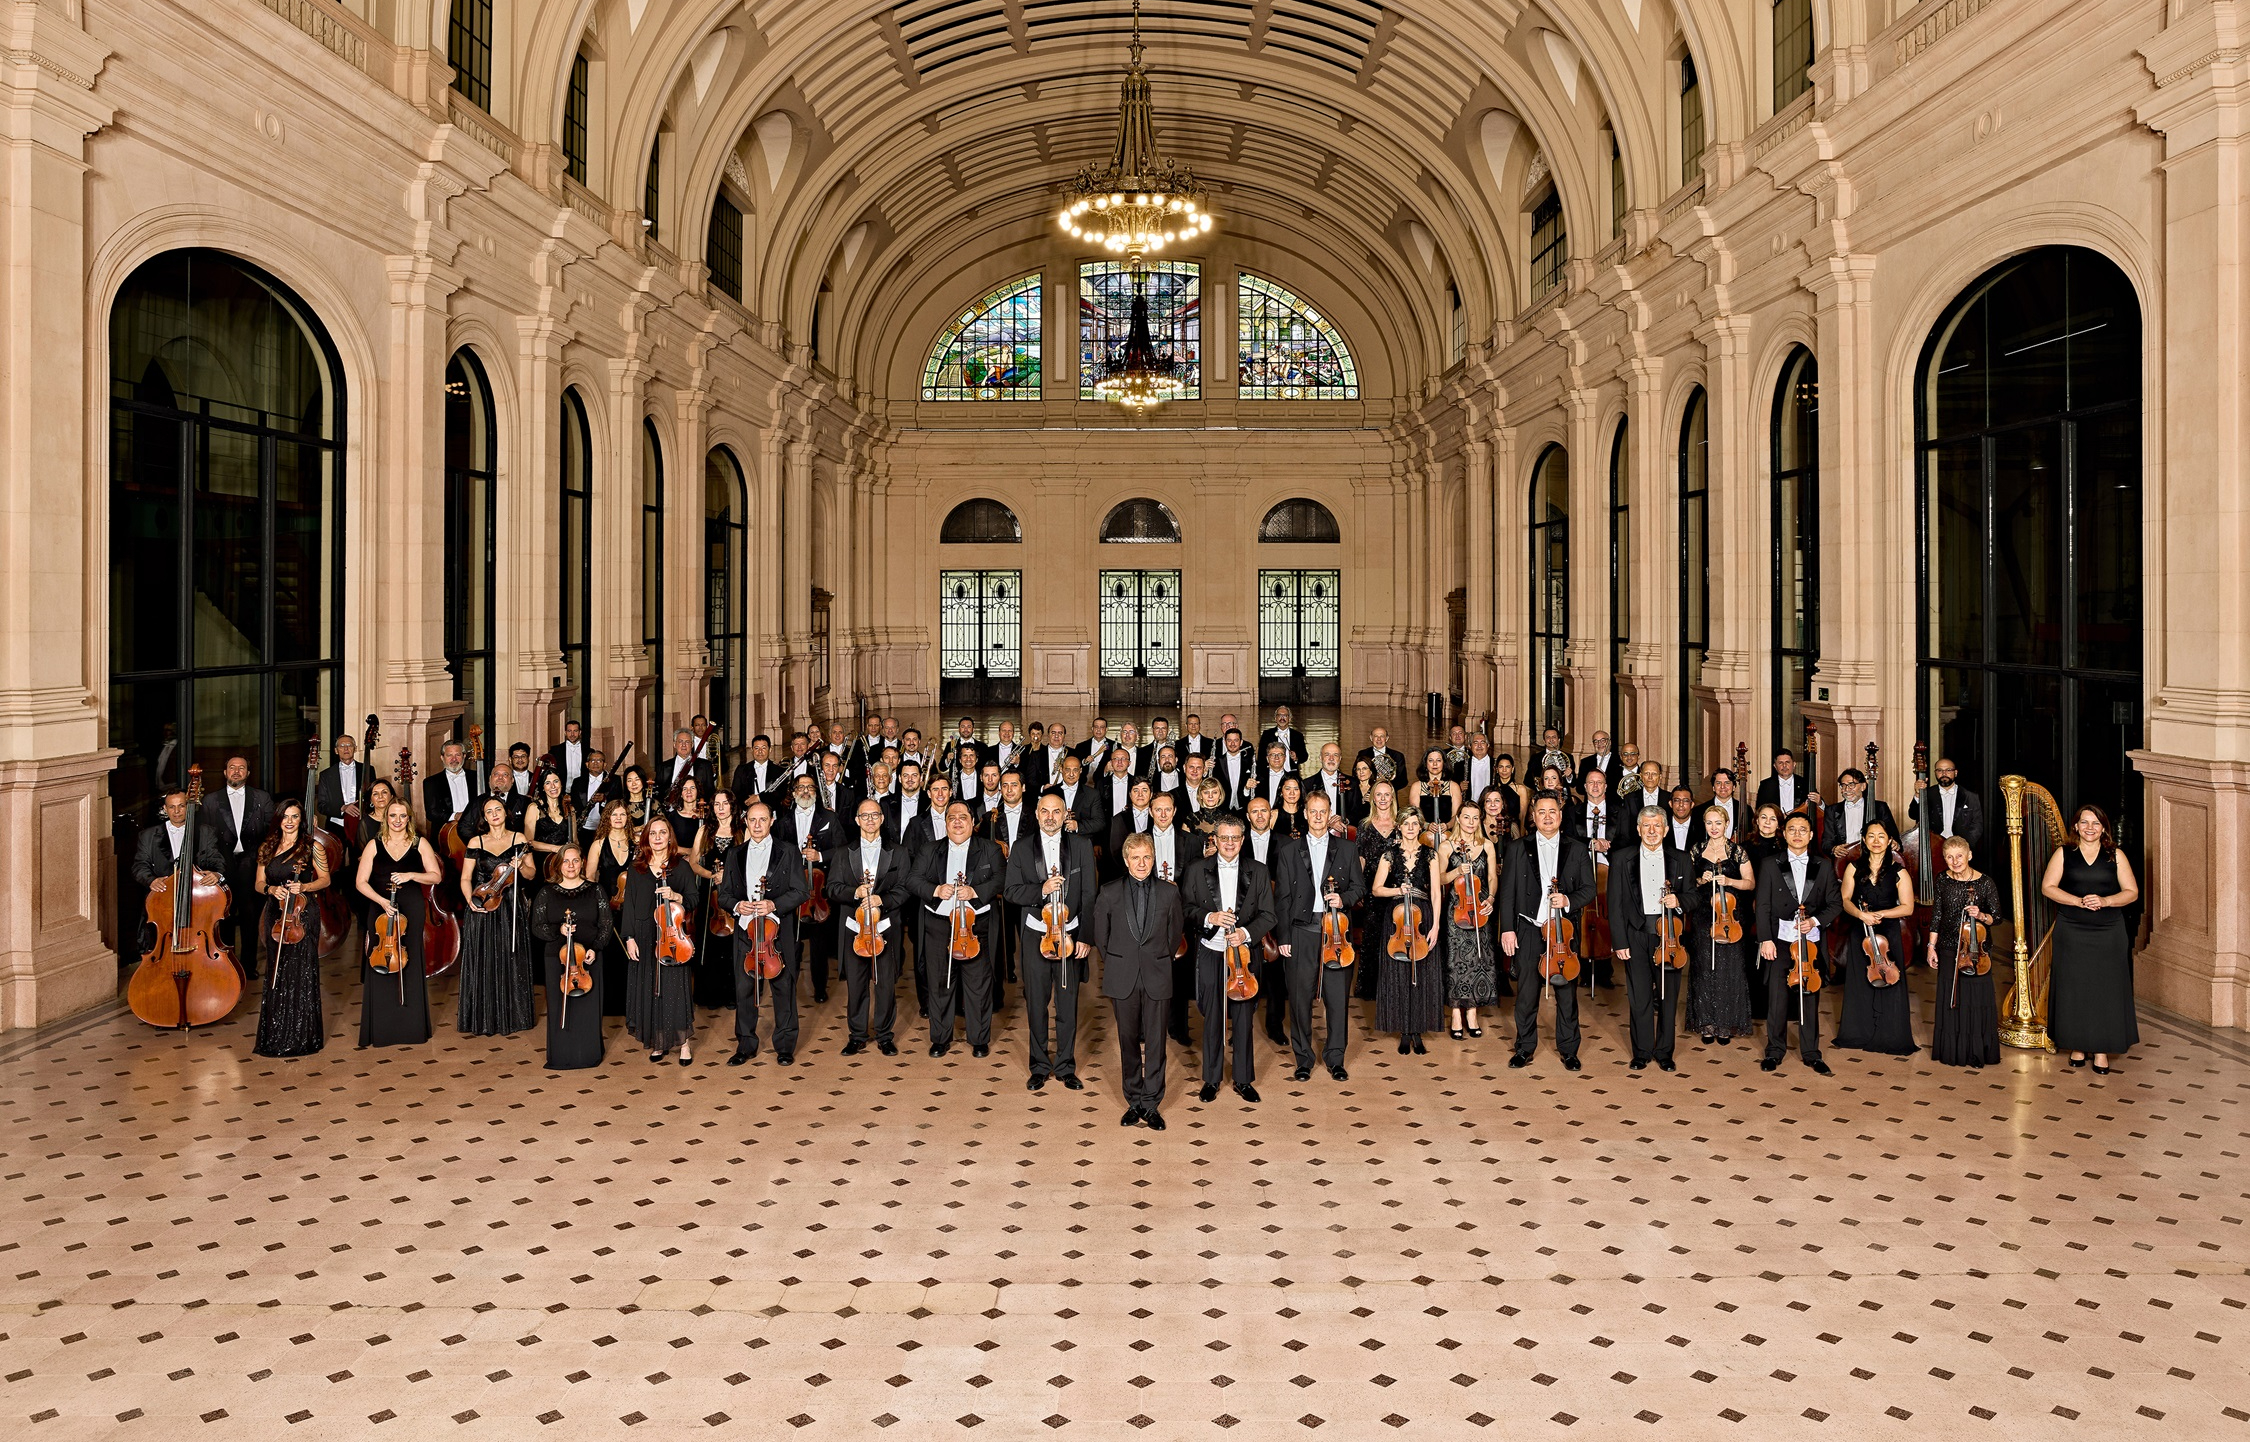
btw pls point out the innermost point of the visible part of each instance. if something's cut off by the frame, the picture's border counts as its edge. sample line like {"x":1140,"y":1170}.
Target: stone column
{"x":796,"y":581}
{"x":1652,"y":590}
{"x":57,"y":874}
{"x":1476,"y":644}
{"x":1511,"y":593}
{"x":2196,"y":563}
{"x":767,"y":651}
{"x":617,"y":568}
{"x":686,"y":507}
{"x":1586,"y":650}
{"x":1740,"y":564}
{"x":531,"y":514}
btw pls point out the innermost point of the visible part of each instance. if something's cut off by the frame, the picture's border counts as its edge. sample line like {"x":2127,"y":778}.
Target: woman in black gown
{"x":1356,"y":796}
{"x":659,"y":999}
{"x":1762,"y":844}
{"x":496,"y":986}
{"x":1289,"y":810}
{"x":686,"y":815}
{"x":714,"y":955}
{"x":1968,"y":1020}
{"x":1718,"y":1001}
{"x":639,"y":804}
{"x":2090,"y":993}
{"x":1878,"y":897}
{"x":1432,"y":795}
{"x":395,"y":871}
{"x":613,"y":850}
{"x":1502,"y":814}
{"x":1517,"y":802}
{"x":1377,"y":835}
{"x":570,"y":904}
{"x":549,"y":825}
{"x":1410,"y":997}
{"x":289,"y":865}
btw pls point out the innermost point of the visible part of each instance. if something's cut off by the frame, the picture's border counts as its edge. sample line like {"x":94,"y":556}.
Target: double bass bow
{"x":186,"y":978}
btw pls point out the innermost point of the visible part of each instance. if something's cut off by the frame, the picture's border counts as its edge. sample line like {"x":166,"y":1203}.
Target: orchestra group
{"x":1202,"y":878}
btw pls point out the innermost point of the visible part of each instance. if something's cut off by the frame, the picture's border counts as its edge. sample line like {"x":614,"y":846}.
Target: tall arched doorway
{"x":1795,"y":600}
{"x":726,"y":511}
{"x":472,"y":542}
{"x":226,"y":542}
{"x":2029,"y":421}
{"x":1550,"y":587}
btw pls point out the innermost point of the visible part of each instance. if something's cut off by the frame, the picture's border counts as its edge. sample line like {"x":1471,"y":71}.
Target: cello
{"x":441,"y":924}
{"x":335,"y":911}
{"x":186,"y":978}
{"x":353,"y":829}
{"x":451,"y":848}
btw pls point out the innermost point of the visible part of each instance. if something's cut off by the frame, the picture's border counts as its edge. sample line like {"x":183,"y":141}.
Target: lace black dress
{"x":496,"y":984}
{"x":2090,"y":996}
{"x":1875,"y":1018}
{"x":395,"y":1010}
{"x":574,"y":1025}
{"x":1968,"y":1014}
{"x":289,"y":1020}
{"x":607,"y":871}
{"x":1410,"y":996}
{"x":715,"y":955}
{"x":659,"y":999}
{"x":1372,"y":917}
{"x":1718,"y":999}
{"x":1471,"y":973}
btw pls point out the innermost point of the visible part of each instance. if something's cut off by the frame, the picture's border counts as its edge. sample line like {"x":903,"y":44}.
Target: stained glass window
{"x":1175,"y":319}
{"x":990,"y":352}
{"x":1287,"y":350}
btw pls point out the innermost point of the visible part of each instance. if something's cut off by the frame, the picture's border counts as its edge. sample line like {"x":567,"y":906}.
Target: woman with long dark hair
{"x":495,"y":997}
{"x":1433,"y":795}
{"x":571,"y":907}
{"x":611,"y":856}
{"x":714,"y":956}
{"x":659,"y":997}
{"x":1878,"y":897}
{"x":290,"y":867}
{"x":2090,"y":993}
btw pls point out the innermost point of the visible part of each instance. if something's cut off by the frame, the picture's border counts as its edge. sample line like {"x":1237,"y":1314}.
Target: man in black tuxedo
{"x":864,"y":752}
{"x":239,"y":815}
{"x":1292,"y":740}
{"x":1011,"y":821}
{"x":1784,"y":790}
{"x":1159,"y":737}
{"x":593,"y":790}
{"x":1052,"y":862}
{"x":1135,"y":819}
{"x":1236,"y":769}
{"x":904,"y":807}
{"x":1789,"y":882}
{"x":964,"y":870}
{"x":811,"y":828}
{"x":568,"y":756}
{"x":1317,"y":874}
{"x":1229,"y":901}
{"x":1726,"y":794}
{"x":1044,"y":762}
{"x":1114,"y":786}
{"x":1137,"y":925}
{"x":760,"y":775}
{"x":158,"y":849}
{"x":1852,"y":811}
{"x":864,"y":865}
{"x":1093,"y":752}
{"x":1947,"y":808}
{"x":835,"y":795}
{"x":685,"y":760}
{"x":1380,"y":752}
{"x":1646,"y":881}
{"x":1277,"y":767}
{"x":342,"y":789}
{"x":1601,"y":759}
{"x":764,"y":857}
{"x":1548,"y":872}
{"x":1602,"y":824}
{"x":450,"y":792}
{"x":1192,"y":741}
{"x":1333,"y":782}
{"x":1475,"y":772}
{"x":1082,"y":801}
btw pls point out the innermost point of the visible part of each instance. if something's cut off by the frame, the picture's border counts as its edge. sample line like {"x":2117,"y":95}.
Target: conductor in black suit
{"x":1316,"y":873}
{"x":764,"y":857}
{"x":963,"y":870}
{"x":1548,"y":872}
{"x":1229,"y":899}
{"x":1947,"y":808}
{"x":344,"y":785}
{"x":1789,"y":881}
{"x":1050,"y":862}
{"x":1138,"y":922}
{"x":862,"y":865}
{"x":1647,"y":878}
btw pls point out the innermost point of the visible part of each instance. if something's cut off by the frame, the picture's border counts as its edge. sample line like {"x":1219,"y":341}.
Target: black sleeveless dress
{"x":1968,"y":1018}
{"x":574,"y":1024}
{"x":1718,"y":1000}
{"x":1410,"y":995}
{"x":714,"y":955}
{"x":289,"y":1020}
{"x":495,"y":997}
{"x":607,"y":870}
{"x":1875,"y":1018}
{"x":2090,"y":995}
{"x":395,"y":1010}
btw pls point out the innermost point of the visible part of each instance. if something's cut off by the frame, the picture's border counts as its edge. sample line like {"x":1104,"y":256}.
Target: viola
{"x":186,"y":978}
{"x":815,"y":907}
{"x":1054,"y":914}
{"x":1241,"y":984}
{"x":869,"y":942}
{"x":334,"y":912}
{"x":763,"y":959}
{"x":575,"y":974}
{"x":963,"y":945}
{"x":1804,"y":957}
{"x":675,"y":943}
{"x":441,"y":924}
{"x":1882,"y":967}
{"x":1671,"y":927}
{"x":1336,"y":947}
{"x":1558,"y":957}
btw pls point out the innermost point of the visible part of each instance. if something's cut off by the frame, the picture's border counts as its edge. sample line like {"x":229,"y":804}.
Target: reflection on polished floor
{"x":451,"y":1240}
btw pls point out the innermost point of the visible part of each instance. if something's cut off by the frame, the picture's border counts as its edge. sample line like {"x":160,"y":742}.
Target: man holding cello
{"x":1645,"y":886}
{"x":1550,"y":878}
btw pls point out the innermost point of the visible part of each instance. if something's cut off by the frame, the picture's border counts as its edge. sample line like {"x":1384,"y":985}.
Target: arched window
{"x":726,"y":572}
{"x":472,"y":535}
{"x":1550,"y":245}
{"x":1550,"y":585}
{"x":1299,"y":522}
{"x":575,"y":107}
{"x":2029,"y":401}
{"x":1792,"y":51}
{"x":1695,"y":574}
{"x":722,"y":248}
{"x":1286,"y":350}
{"x":1691,"y":123}
{"x":1175,"y":320}
{"x":468,"y":49}
{"x":226,"y":532}
{"x":980,"y":522}
{"x":1620,"y":566}
{"x":1140,"y":521}
{"x":1796,"y":544}
{"x":575,"y":582}
{"x":652,"y":576}
{"x":991,"y":350}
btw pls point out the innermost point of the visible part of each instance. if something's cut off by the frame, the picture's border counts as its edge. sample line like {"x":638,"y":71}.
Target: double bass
{"x":186,"y":978}
{"x":335,"y":911}
{"x":815,"y":907}
{"x":441,"y":923}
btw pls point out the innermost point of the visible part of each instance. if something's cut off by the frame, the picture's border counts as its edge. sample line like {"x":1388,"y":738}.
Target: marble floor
{"x":452,"y":1237}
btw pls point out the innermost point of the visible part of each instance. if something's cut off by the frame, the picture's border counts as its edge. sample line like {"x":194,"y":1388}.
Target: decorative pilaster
{"x":1585,"y":661}
{"x":796,"y":582}
{"x":1738,"y":531}
{"x":1651,"y":589}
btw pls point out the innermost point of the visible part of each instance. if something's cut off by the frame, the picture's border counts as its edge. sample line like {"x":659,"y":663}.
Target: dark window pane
{"x":301,"y":531}
{"x":2027,"y":534}
{"x":1956,"y":699}
{"x":2108,"y":542}
{"x":229,"y":591}
{"x":1956,"y":386}
{"x":1956,"y":485}
{"x":2109,"y":726}
{"x":301,"y":712}
{"x":227,"y":712}
{"x":2027,"y":734}
{"x":2028,"y":325}
{"x":144,"y":723}
{"x":2105,"y":334}
{"x":144,"y":543}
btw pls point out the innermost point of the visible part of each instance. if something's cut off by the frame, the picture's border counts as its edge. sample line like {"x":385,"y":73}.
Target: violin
{"x":815,"y":907}
{"x":1970,"y":955}
{"x":575,"y":976}
{"x":388,"y":956}
{"x":964,"y":945}
{"x":441,"y":924}
{"x":1336,"y":947}
{"x":1472,"y":904}
{"x":1409,"y":941}
{"x":1054,"y":914}
{"x":1671,"y":926}
{"x":763,"y":959}
{"x":869,"y":942}
{"x":675,"y":943}
{"x":186,"y":978}
{"x":289,"y":919}
{"x":1558,"y":960}
{"x":486,"y":895}
{"x":1882,"y":968}
{"x":721,"y":920}
{"x":334,"y":911}
{"x":1726,"y":926}
{"x":1804,"y":957}
{"x":1241,"y":984}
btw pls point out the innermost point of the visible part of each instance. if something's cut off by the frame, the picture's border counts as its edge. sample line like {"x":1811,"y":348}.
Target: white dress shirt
{"x":1316,"y":847}
{"x":1855,"y":820}
{"x":1549,"y":851}
{"x":237,"y":798}
{"x":574,"y":761}
{"x":457,"y":789}
{"x":1947,"y":797}
{"x":956,"y":864}
{"x":1799,"y":864}
{"x":1480,"y":776}
{"x":178,"y":837}
{"x":805,"y":815}
{"x":870,"y":867}
{"x":1652,"y":879}
{"x":1785,"y":791}
{"x":1120,"y":793}
{"x":1261,"y":843}
{"x":1167,"y":853}
{"x":909,"y":806}
{"x":1680,"y":830}
{"x":1332,"y":783}
{"x":1230,"y":874}
{"x":756,"y":857}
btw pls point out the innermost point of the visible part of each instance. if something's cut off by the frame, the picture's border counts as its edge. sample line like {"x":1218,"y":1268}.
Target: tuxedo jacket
{"x":1519,"y":888}
{"x":894,"y":805}
{"x":1968,"y":813}
{"x":1778,"y":897}
{"x":994,"y":826}
{"x":1094,"y":754}
{"x":1295,"y":743}
{"x":328,"y":796}
{"x":1347,"y":790}
{"x":662,"y":777}
{"x":1832,"y":834}
{"x":1026,"y":875}
{"x":1398,"y":761}
{"x":1578,"y":822}
{"x":1135,"y":963}
{"x":1254,"y":909}
{"x":1145,"y":755}
{"x":1629,"y":925}
{"x":602,"y":788}
{"x":820,"y":835}
{"x":1267,"y":783}
{"x":1041,"y":771}
{"x":1184,"y":745}
{"x":153,"y":855}
{"x":1295,"y":886}
{"x":844,"y":876}
{"x":1086,"y":805}
{"x":1239,"y":790}
{"x":1120,"y":826}
{"x":926,"y":830}
{"x":1609,"y":766}
{"x":218,"y":819}
{"x":1769,"y":791}
{"x":926,"y":873}
{"x":748,"y":782}
{"x":437,"y":800}
{"x":1106,"y":785}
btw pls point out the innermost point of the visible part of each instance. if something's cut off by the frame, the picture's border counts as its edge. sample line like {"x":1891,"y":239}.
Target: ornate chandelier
{"x":1140,"y":202}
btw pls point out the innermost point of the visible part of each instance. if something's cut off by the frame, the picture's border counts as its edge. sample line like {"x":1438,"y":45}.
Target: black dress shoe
{"x":887,"y":1048}
{"x":1209,"y":1093}
{"x":1420,"y":1047}
{"x":1640,"y":1063}
{"x":740,"y":1056}
{"x":1821,"y":1068}
{"x":1278,"y":1038}
{"x":1475,"y":1032}
{"x":1153,"y":1120}
{"x":1132,"y":1117}
{"x":1665,"y":1064}
{"x":980,"y":1051}
{"x":1570,"y":1063}
{"x":1303,"y":1073}
{"x":1405,"y":1047}
{"x":854,"y":1048}
{"x":1519,"y":1061}
{"x":786,"y":1058}
{"x":1072,"y":1083}
{"x":1339,"y":1073}
{"x":1248,"y":1093}
{"x":1037,"y":1082}
{"x":939,"y":1048}
{"x":819,"y":995}
{"x":1769,"y":1064}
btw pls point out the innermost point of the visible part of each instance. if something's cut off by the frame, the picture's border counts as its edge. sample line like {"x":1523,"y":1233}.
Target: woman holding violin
{"x":1718,"y":1002}
{"x":1432,"y":796}
{"x":1966,"y":904}
{"x":1878,"y":1013}
{"x":1378,"y":833}
{"x":2090,"y":996}
{"x":495,"y":997}
{"x":714,"y":959}
{"x":572,"y":921}
{"x":661,"y":894}
{"x":614,"y":848}
{"x":1467,"y":869}
{"x":395,"y":866}
{"x":290,"y":870}
{"x":1410,"y":995}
